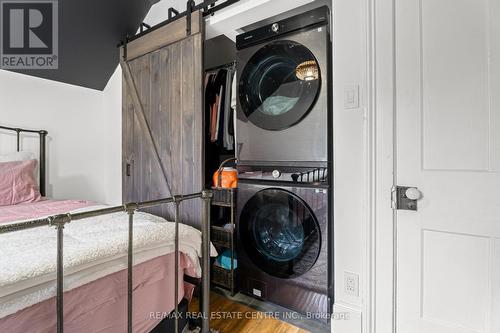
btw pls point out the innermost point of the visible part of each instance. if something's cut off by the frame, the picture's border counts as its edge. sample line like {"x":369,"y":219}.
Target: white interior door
{"x":448,"y":145}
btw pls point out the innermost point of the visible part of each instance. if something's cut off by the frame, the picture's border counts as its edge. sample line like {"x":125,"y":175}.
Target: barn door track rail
{"x":208,"y":7}
{"x":59,"y":221}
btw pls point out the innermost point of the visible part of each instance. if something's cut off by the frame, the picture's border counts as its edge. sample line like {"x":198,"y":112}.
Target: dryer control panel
{"x":314,"y":18}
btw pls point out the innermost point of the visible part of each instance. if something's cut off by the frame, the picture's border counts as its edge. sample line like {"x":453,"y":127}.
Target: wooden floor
{"x":241,"y":318}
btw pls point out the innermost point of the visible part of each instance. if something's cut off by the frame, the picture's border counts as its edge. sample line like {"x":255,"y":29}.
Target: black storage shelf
{"x":222,"y":277}
{"x":223,"y":238}
{"x":223,"y":197}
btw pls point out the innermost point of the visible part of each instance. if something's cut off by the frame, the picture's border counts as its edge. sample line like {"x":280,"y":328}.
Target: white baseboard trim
{"x":346,"y":319}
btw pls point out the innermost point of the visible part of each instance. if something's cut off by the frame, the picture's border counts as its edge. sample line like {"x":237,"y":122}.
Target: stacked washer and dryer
{"x":283,"y":133}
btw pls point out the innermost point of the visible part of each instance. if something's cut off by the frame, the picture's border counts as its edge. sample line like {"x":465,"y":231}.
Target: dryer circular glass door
{"x":280,"y":233}
{"x":279,"y":85}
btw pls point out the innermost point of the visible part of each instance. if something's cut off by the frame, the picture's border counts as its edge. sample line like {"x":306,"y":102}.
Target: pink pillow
{"x":18,"y":183}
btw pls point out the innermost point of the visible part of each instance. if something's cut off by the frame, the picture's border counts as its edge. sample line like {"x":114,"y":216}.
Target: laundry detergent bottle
{"x":226,"y":178}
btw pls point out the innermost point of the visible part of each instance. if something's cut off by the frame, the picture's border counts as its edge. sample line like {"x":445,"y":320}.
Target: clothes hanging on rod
{"x":228,"y":128}
{"x":218,"y":105}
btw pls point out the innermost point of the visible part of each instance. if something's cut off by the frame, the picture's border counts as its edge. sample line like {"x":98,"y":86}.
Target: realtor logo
{"x":29,"y":34}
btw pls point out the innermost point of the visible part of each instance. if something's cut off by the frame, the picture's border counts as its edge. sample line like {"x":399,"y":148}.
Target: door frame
{"x":380,"y":156}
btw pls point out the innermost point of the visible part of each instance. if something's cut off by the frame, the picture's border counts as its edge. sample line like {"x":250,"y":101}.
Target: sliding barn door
{"x":163,"y":117}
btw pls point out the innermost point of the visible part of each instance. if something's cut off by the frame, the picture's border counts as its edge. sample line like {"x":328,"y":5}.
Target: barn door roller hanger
{"x":208,"y":7}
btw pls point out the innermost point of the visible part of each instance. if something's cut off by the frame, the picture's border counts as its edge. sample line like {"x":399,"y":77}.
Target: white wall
{"x":112,"y":110}
{"x":73,"y":116}
{"x":350,"y":59}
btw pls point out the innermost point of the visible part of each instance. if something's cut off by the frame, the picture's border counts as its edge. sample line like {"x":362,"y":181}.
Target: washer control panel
{"x":285,"y":174}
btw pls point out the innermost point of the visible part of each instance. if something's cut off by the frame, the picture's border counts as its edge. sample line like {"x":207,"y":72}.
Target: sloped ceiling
{"x":89,"y":31}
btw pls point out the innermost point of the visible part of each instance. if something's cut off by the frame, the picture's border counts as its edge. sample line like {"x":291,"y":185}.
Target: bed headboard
{"x":42,"y":160}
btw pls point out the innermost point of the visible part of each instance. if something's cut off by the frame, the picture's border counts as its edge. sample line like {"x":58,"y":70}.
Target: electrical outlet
{"x":351,"y":284}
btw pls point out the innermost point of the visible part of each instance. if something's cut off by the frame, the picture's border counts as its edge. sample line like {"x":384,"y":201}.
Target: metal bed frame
{"x":43,"y":142}
{"x":59,"y":221}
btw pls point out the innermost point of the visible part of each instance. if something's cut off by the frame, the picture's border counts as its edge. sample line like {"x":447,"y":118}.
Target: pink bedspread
{"x":33,"y":210}
{"x":101,"y":306}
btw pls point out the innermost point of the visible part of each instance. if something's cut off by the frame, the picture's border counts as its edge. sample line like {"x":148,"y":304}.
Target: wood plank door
{"x":448,"y":145}
{"x":163,"y":117}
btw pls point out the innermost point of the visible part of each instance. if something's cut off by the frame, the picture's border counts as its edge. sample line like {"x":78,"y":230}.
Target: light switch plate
{"x":351,"y":97}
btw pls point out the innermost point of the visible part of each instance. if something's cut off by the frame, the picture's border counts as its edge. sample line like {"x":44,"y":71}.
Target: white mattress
{"x":28,"y":265}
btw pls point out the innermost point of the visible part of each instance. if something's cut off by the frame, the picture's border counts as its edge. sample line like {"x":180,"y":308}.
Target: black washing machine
{"x":283,"y":104}
{"x":283,"y":232}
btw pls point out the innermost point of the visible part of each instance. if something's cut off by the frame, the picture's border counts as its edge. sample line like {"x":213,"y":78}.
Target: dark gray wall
{"x":219,"y":51}
{"x":89,"y":31}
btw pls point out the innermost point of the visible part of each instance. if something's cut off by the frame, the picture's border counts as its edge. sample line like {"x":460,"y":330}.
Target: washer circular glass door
{"x":279,"y":85}
{"x":279,"y":233}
